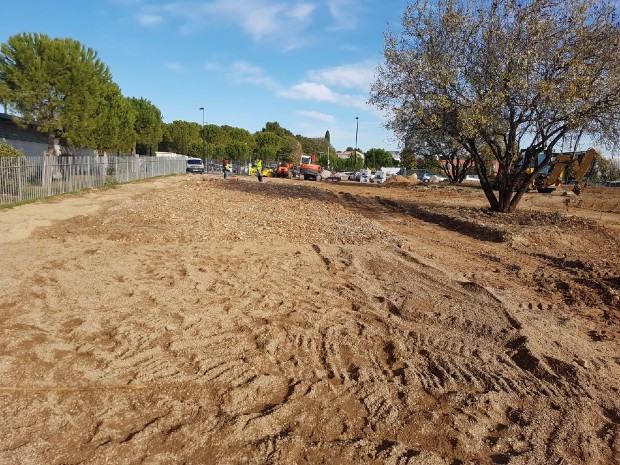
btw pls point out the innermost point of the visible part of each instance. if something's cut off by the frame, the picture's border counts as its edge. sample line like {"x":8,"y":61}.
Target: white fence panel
{"x":28,"y":178}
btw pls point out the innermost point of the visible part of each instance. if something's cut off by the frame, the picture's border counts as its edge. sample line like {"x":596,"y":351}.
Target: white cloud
{"x":263,"y":20}
{"x":246,"y":72}
{"x":310,"y":91}
{"x":266,"y":20}
{"x":343,"y":13}
{"x":317,"y":116}
{"x":259,"y":20}
{"x":322,"y":84}
{"x":319,"y":92}
{"x":263,"y":17}
{"x":149,"y":19}
{"x":301,"y":12}
{"x":355,"y":76}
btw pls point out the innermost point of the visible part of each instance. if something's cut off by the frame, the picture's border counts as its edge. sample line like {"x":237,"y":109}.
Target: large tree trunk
{"x":50,"y":162}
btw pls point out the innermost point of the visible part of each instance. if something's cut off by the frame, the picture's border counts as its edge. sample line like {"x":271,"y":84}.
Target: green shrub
{"x":7,"y":150}
{"x":10,"y":172}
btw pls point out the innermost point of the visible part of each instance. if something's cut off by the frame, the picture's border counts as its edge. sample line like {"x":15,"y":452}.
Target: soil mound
{"x":396,"y":179}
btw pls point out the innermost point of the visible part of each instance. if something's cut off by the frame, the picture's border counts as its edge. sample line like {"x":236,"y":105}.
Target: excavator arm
{"x":585,"y":164}
{"x":582,"y":161}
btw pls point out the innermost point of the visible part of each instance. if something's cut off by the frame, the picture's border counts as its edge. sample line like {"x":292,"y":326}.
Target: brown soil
{"x":200,"y":321}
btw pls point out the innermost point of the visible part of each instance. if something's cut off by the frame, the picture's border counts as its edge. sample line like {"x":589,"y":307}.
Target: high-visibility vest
{"x":259,"y":165}
{"x":227,"y":167}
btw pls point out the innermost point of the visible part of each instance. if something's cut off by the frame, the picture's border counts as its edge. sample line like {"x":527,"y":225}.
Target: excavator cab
{"x":309,"y":169}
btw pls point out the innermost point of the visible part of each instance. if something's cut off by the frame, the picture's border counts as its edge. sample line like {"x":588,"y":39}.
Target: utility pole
{"x":327,"y":137}
{"x":202,"y":133}
{"x":357,"y":125}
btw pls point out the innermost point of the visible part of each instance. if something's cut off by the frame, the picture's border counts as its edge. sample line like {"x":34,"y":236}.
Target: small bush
{"x":7,"y":150}
{"x":10,"y":172}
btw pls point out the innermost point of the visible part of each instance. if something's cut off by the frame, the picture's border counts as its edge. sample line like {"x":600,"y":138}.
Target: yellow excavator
{"x":553,"y":175}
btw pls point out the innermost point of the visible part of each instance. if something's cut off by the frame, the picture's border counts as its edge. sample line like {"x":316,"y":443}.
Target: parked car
{"x":431,"y":177}
{"x":471,"y":178}
{"x":390,"y":171}
{"x":380,"y":177}
{"x":194,"y":165}
{"x":337,"y":175}
{"x":365,"y":176}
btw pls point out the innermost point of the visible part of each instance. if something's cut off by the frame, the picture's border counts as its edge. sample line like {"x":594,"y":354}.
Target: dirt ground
{"x":192,"y":320}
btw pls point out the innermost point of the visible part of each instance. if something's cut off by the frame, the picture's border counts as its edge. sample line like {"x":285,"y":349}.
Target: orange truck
{"x":284,"y":170}
{"x":309,"y":169}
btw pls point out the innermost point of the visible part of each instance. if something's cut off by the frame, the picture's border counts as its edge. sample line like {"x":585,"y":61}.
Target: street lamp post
{"x":328,"y":139}
{"x":204,"y":160}
{"x":328,"y":154}
{"x":357,"y":125}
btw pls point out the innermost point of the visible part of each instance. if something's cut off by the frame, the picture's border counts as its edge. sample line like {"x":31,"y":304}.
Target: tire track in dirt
{"x":428,"y":367}
{"x":289,"y":346}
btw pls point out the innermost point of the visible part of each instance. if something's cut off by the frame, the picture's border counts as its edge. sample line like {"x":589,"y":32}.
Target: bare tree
{"x":454,"y":160}
{"x":513,"y":79}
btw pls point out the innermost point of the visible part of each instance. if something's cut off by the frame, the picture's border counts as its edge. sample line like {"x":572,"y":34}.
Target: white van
{"x":390,"y":170}
{"x":380,"y":177}
{"x":194,"y":165}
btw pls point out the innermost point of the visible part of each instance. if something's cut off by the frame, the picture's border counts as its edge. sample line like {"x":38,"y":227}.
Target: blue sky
{"x":306,"y":64}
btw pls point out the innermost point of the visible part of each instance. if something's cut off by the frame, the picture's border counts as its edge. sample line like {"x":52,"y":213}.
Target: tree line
{"x":62,"y":88}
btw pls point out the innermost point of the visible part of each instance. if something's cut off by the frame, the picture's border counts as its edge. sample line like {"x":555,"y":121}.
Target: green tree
{"x":195,"y":149}
{"x":408,"y":159}
{"x":314,"y":144}
{"x":277,"y":129}
{"x":268,"y":145}
{"x":115,"y":123}
{"x":376,"y":158}
{"x":606,"y":170}
{"x":55,"y":85}
{"x":290,"y":151}
{"x":237,"y":151}
{"x":148,"y":126}
{"x":356,"y":159}
{"x":215,"y":136}
{"x":341,"y":164}
{"x":429,"y":164}
{"x":229,"y":142}
{"x":179,"y":136}
{"x":503,"y":77}
{"x":243,"y":142}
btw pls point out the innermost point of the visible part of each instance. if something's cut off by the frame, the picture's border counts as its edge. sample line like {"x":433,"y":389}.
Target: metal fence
{"x":28,"y":178}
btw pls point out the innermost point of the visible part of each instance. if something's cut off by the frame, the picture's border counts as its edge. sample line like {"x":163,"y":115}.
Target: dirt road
{"x":200,"y":321}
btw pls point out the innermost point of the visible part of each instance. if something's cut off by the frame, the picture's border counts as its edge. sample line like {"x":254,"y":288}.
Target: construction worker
{"x":225,"y":168}
{"x":259,"y":169}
